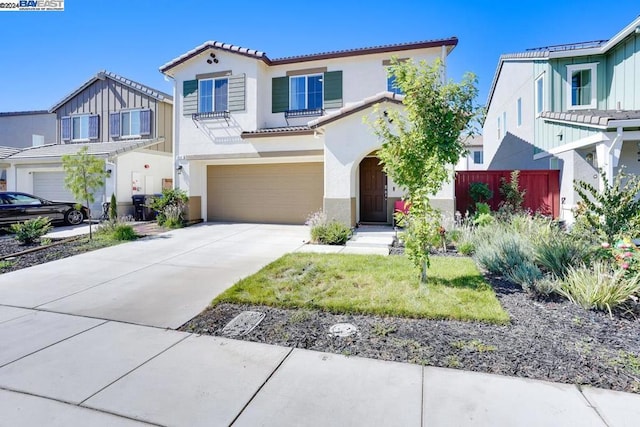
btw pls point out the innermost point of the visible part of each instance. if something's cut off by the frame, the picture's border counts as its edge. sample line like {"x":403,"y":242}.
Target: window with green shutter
{"x":279,"y":94}
{"x":190,"y":97}
{"x":333,"y":89}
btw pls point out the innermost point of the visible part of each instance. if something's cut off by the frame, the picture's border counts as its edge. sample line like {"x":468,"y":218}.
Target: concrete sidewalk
{"x":83,"y":341}
{"x":64,"y":370}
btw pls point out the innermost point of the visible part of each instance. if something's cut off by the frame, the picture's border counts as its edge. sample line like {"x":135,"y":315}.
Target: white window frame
{"x":213,"y":94}
{"x":593,"y":67}
{"x":539,"y":97}
{"x":130,"y":135}
{"x":481,"y":155}
{"x":306,"y":90}
{"x":499,"y":129}
{"x":519,"y":111}
{"x":80,"y":116}
{"x":504,"y":123}
{"x":397,"y":90}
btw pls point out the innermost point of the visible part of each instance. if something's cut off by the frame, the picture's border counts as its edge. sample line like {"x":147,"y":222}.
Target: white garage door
{"x":273,"y":193}
{"x":50,"y":186}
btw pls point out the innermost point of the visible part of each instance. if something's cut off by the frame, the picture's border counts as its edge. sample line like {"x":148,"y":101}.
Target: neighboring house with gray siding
{"x":22,"y":129}
{"x":572,"y":107}
{"x":125,"y":122}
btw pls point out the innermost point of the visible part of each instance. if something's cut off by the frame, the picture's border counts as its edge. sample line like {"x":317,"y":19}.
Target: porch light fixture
{"x":559,"y":136}
{"x":109,"y":172}
{"x":179,"y":168}
{"x":589,"y":158}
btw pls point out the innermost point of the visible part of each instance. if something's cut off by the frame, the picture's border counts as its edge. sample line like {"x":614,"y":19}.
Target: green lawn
{"x":371,"y":285}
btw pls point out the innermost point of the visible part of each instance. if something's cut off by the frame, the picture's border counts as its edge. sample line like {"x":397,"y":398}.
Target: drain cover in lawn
{"x":343,"y":330}
{"x":243,"y":323}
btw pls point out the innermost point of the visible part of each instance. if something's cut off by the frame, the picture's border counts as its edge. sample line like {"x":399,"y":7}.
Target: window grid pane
{"x":221,"y":95}
{"x":314,"y":87}
{"x":126,"y":124}
{"x":205,"y":93}
{"x":297,"y":95}
{"x":391,"y":86}
{"x":539,"y":96}
{"x":581,"y":87}
{"x":135,"y":123}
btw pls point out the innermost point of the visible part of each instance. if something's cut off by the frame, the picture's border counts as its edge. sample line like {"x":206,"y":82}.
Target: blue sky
{"x":46,"y":55}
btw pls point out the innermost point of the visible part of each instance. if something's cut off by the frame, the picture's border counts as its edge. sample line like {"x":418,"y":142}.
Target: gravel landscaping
{"x":547,"y":339}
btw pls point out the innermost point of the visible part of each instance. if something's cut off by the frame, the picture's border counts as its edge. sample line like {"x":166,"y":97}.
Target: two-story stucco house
{"x":573,"y":107}
{"x":274,"y":140}
{"x":125,"y":122}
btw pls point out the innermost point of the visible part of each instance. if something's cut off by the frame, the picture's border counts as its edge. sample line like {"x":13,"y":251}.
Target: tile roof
{"x":55,"y":151}
{"x":285,"y":130}
{"x":256,"y":54}
{"x":592,"y":117}
{"x":355,"y":107}
{"x":7,"y":151}
{"x":101,"y":75}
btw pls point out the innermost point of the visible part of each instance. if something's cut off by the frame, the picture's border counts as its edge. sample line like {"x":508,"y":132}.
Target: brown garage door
{"x":284,"y":193}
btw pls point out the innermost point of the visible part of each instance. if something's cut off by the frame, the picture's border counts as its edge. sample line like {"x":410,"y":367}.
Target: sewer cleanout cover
{"x":343,"y":330}
{"x":243,"y":323}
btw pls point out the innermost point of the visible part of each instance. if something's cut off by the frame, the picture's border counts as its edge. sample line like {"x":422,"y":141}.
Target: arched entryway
{"x":373,"y":191}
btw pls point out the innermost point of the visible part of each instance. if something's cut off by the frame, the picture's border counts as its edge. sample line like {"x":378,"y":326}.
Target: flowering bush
{"x":624,"y":254}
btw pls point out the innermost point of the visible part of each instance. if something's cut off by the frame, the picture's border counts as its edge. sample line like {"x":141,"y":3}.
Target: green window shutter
{"x":190,"y":97}
{"x":237,"y":92}
{"x":279,"y":94}
{"x":333,"y":89}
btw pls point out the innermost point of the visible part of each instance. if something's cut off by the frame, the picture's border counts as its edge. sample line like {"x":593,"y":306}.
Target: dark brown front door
{"x":373,"y":198}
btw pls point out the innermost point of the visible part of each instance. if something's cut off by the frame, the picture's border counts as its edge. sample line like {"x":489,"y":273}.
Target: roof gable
{"x":102,"y":75}
{"x":356,"y":107}
{"x":450,"y":43}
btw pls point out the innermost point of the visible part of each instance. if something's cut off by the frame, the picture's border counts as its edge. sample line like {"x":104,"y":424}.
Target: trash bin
{"x":141,"y":209}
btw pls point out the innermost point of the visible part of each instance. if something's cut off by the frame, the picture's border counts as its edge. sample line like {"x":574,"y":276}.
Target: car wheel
{"x":73,"y":217}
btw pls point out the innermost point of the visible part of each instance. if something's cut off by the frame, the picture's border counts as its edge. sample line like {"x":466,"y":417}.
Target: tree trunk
{"x":423,"y":274}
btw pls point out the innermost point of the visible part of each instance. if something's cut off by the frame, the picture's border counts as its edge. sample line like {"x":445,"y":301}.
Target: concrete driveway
{"x":160,"y":281}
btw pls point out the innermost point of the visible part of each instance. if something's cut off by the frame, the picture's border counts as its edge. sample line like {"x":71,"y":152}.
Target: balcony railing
{"x":304,"y":113}
{"x":211,"y":115}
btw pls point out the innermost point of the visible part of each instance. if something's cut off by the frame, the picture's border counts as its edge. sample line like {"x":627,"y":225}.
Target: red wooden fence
{"x":542,"y":186}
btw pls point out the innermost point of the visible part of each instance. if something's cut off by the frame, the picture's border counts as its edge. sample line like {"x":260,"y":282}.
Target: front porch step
{"x":372,"y":237}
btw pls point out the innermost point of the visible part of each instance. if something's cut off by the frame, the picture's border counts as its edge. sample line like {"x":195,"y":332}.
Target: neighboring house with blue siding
{"x":260,"y":139}
{"x":125,"y":122}
{"x":573,"y":107}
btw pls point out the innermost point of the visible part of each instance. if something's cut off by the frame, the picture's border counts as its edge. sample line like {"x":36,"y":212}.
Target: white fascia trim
{"x":624,"y":123}
{"x":567,"y":122}
{"x":581,"y":143}
{"x":541,"y":155}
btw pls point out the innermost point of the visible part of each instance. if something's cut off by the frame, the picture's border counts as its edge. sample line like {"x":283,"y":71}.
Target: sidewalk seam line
{"x":261,"y":387}
{"x":422,"y":398}
{"x":53,"y":399}
{"x":592,"y":406}
{"x":55,"y":343}
{"x":131,"y":370}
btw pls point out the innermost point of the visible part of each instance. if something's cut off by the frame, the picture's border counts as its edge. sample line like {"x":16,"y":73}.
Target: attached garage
{"x":283,"y":193}
{"x":50,"y":186}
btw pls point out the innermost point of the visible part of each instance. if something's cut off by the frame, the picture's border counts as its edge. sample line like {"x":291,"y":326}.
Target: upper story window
{"x":478,"y":157}
{"x":391,"y":85}
{"x":80,"y":127}
{"x":305,"y":92}
{"x":581,"y":86}
{"x":130,"y":123}
{"x":539,"y":95}
{"x":213,"y":95}
{"x":519,"y":111}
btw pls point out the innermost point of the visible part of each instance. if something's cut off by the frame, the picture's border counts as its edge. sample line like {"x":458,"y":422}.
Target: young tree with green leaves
{"x":84,"y":174}
{"x":423,"y":142}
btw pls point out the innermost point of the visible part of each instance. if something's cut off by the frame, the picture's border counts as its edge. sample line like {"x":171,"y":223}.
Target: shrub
{"x":615,"y":210}
{"x":170,"y":207}
{"x":556,"y":254}
{"x":465,"y":248}
{"x":113,"y":208}
{"x":480,"y":192}
{"x":332,"y":233}
{"x":483,"y":220}
{"x":598,"y":287}
{"x":124,"y":232}
{"x":482,"y":208}
{"x":525,"y":274}
{"x":31,"y":230}
{"x":502,"y":252}
{"x":546,"y":286}
{"x":511,"y":194}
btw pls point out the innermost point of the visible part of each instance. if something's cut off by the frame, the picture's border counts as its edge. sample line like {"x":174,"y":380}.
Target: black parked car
{"x":19,"y":207}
